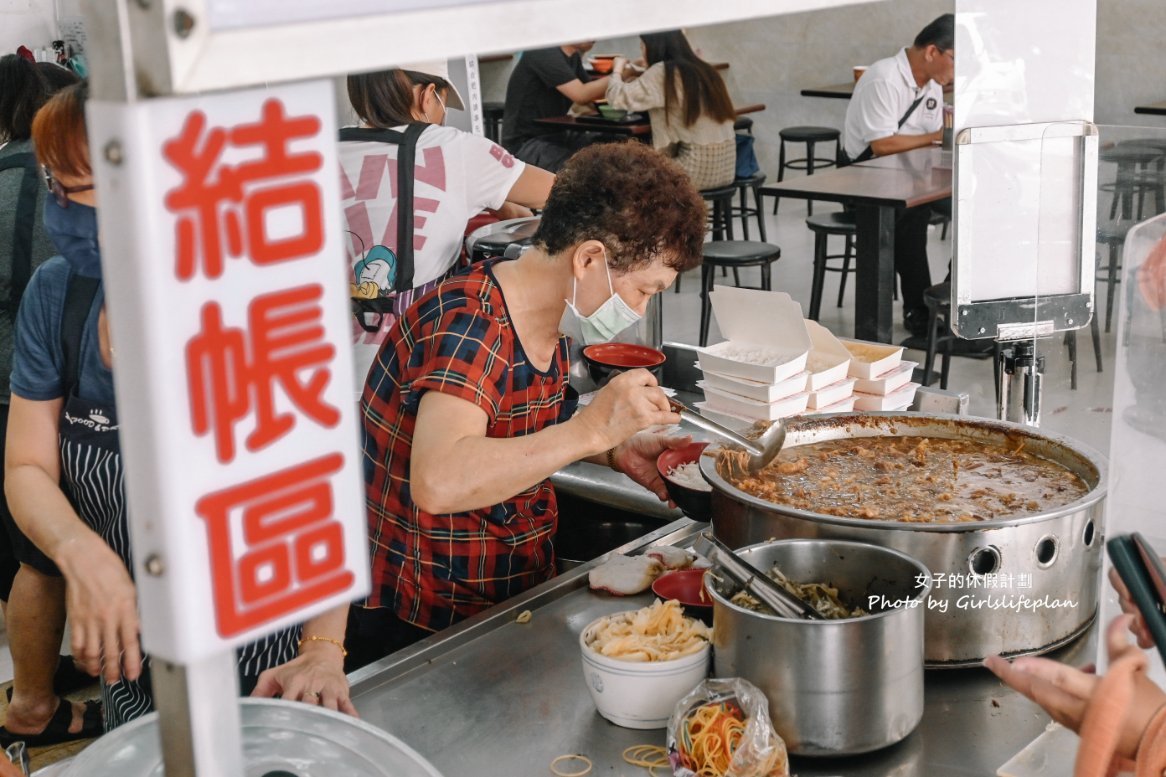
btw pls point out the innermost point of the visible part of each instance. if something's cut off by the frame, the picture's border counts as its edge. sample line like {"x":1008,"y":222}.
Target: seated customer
{"x":467,"y":410}
{"x":898,"y":106}
{"x":545,"y":83}
{"x":689,"y":107}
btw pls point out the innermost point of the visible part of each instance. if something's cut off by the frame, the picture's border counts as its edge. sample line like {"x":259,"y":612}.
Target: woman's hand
{"x":636,"y":458}
{"x":103,"y":610}
{"x":630,"y":402}
{"x":1065,"y":692}
{"x":315,"y":676}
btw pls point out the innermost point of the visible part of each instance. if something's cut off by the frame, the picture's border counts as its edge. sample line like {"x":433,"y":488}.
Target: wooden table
{"x":837,"y":91}
{"x":640,"y":129}
{"x":1154,"y":109}
{"x":876,"y":191}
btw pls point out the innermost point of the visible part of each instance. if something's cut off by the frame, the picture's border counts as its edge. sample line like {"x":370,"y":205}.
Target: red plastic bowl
{"x":687,"y":587}
{"x":695,"y":503}
{"x":607,"y":359}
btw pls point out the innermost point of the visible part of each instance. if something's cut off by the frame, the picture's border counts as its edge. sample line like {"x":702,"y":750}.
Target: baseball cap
{"x":439,"y":68}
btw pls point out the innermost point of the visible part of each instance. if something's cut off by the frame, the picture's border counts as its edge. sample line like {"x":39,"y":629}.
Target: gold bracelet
{"x":611,"y":459}
{"x":315,"y":638}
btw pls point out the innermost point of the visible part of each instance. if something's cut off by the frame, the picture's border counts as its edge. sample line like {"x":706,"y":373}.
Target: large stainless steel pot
{"x":279,"y":738}
{"x":1013,"y":586}
{"x":835,"y":687}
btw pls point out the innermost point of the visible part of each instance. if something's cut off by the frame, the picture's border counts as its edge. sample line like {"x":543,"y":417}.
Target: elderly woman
{"x":467,"y":409}
{"x":64,"y":477}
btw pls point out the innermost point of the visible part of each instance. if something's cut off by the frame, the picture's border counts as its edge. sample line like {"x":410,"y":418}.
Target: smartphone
{"x":1141,"y":570}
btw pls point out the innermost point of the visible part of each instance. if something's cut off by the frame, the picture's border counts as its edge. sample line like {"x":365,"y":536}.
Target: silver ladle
{"x":761,"y":451}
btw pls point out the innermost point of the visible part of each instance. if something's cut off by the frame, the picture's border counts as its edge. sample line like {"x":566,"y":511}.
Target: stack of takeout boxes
{"x":828,"y":383}
{"x":759,"y":372}
{"x":882,"y":378}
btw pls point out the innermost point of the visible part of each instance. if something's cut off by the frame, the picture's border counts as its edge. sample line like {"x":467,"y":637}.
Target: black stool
{"x":809,"y":136}
{"x":1129,"y":159}
{"x":823,"y":226}
{"x":743,"y":211}
{"x":720,"y":218}
{"x":941,"y":214}
{"x":1151,"y":179}
{"x":743,"y":124}
{"x":1112,"y":235}
{"x":735,"y":254}
{"x":938,"y":301}
{"x":492,"y":116}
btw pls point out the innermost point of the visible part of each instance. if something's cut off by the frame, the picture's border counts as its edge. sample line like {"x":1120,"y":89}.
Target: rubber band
{"x":647,"y":756}
{"x":555,"y":770}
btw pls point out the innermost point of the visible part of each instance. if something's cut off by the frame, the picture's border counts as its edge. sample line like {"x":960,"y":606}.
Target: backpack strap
{"x":25,"y":220}
{"x":78,"y":300}
{"x":406,"y":162}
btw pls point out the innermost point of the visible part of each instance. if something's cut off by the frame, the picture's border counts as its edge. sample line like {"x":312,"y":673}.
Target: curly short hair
{"x":641,"y":205}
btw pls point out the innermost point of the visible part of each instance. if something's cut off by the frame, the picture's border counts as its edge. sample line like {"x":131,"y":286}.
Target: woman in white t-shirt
{"x":688,"y":104}
{"x":456,"y":175}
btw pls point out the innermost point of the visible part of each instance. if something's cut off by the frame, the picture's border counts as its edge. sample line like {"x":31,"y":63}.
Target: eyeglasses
{"x":61,"y":193}
{"x":950,"y":54}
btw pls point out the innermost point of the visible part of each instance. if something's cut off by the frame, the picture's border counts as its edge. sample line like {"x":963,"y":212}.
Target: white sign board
{"x":224,"y":269}
{"x":233,"y":14}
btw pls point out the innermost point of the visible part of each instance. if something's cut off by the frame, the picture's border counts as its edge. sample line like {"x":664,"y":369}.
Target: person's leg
{"x":36,"y":624}
{"x":912,"y":267}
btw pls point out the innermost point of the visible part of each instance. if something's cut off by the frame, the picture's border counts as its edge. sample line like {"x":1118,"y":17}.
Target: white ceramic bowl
{"x":636,"y":694}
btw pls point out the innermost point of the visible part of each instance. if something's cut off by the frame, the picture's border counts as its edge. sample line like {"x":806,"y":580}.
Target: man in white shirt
{"x":897,"y":106}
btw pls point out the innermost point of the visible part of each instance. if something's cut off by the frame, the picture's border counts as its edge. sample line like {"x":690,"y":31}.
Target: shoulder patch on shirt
{"x":931,"y":103}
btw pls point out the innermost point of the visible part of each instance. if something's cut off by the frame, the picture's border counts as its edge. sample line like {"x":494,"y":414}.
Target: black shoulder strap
{"x":868,"y":152}
{"x":25,"y":220}
{"x":406,"y":162}
{"x":78,"y":300}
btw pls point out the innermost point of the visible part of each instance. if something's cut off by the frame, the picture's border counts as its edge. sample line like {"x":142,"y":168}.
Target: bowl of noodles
{"x":638,"y":664}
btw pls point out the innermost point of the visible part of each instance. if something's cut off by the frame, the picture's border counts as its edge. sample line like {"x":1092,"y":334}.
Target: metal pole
{"x":198,"y":716}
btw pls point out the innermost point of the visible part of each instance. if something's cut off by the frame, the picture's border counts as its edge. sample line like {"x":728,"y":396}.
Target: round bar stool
{"x":1129,"y":159}
{"x":1113,"y":236}
{"x":744,"y":211}
{"x":810,"y":136}
{"x":937,"y":298}
{"x":823,"y":226}
{"x":720,"y":218}
{"x":735,"y":254}
{"x":1155,"y":179}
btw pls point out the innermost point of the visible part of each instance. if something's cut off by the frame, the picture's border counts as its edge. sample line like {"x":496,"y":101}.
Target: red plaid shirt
{"x":434,"y":570}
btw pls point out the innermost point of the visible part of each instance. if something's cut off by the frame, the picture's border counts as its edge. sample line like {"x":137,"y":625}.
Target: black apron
{"x":406,"y":164}
{"x":93,"y":479}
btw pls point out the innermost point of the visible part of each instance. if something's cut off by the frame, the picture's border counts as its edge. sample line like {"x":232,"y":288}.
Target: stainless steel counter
{"x":494,"y":697}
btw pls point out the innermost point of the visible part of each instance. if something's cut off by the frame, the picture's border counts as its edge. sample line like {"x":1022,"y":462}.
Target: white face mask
{"x":602,"y":326}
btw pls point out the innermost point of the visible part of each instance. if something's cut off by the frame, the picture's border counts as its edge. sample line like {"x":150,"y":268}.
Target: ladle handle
{"x":758,"y":583}
{"x":697,"y":420}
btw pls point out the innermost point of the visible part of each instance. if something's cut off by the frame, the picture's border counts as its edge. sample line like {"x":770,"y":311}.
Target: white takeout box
{"x":767,"y":341}
{"x":845,"y":406}
{"x":828,"y":361}
{"x":751,"y":389}
{"x":896,"y":400}
{"x":888,"y":382}
{"x":869,"y":360}
{"x":832,"y":394}
{"x":751,"y":408}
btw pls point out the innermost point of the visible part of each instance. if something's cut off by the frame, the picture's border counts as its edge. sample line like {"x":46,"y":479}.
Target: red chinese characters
{"x":274,"y":545}
{"x":217,"y":202}
{"x":234,"y":372}
{"x":257,"y":373}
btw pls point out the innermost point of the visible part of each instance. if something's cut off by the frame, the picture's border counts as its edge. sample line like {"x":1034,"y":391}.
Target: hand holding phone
{"x":1141,"y":570}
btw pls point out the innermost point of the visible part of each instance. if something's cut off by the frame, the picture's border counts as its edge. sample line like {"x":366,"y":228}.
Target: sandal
{"x":66,"y":679}
{"x":57,"y":729}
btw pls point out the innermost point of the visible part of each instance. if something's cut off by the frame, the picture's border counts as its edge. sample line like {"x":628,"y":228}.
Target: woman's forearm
{"x":477,"y":471}
{"x":44,"y":514}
